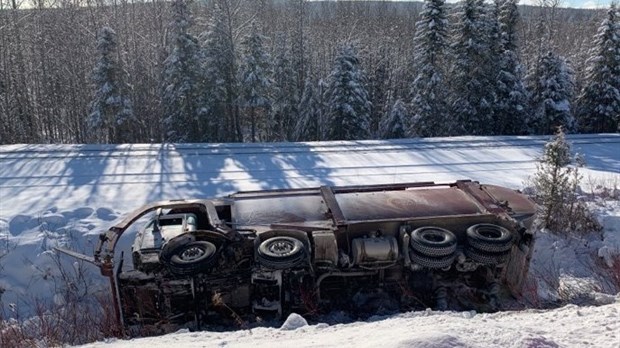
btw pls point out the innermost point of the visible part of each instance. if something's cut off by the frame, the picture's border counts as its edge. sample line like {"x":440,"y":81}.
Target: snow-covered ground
{"x":569,"y":326}
{"x":65,"y":195}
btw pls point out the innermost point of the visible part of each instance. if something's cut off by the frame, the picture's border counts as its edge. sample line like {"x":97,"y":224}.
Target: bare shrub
{"x":529,"y":293}
{"x":607,"y":188}
{"x":80,"y":312}
{"x":546,"y":281}
{"x":608,"y":272}
{"x":54,"y":325}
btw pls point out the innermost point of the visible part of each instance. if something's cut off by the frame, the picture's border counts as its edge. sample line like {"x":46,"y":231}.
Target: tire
{"x":487,"y":258}
{"x":433,"y":241}
{"x":281,"y":252}
{"x":432,"y":262}
{"x":173,"y":245}
{"x":489,"y":238}
{"x":193,"y":258}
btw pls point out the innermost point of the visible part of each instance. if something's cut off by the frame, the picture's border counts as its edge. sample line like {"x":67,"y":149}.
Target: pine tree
{"x":182,"y":88}
{"x":322,"y":109}
{"x":308,"y":127}
{"x":511,"y":105}
{"x":473,"y":72}
{"x":284,"y":113}
{"x":429,"y":91}
{"x":551,"y":88}
{"x":111,"y":112}
{"x":379,"y":91}
{"x":393,"y":124}
{"x":551,"y":181}
{"x":221,"y":76}
{"x":599,"y":102}
{"x":299,"y":49}
{"x":349,"y":108}
{"x":255,"y":80}
{"x":556,"y":184}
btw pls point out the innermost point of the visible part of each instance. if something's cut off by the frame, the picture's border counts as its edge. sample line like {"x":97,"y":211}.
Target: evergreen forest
{"x":125,"y":71}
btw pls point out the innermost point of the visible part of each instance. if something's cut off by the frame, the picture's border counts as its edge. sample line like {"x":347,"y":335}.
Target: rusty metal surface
{"x":517,"y":203}
{"x":332,"y":205}
{"x":414,"y":203}
{"x":279,"y":209}
{"x":482,"y":197}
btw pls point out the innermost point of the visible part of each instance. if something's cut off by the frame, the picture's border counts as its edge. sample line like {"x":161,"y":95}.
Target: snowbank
{"x":569,"y":326}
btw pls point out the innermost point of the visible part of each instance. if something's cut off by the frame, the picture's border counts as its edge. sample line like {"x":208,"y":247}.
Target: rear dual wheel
{"x":432,"y":247}
{"x":489,"y":244}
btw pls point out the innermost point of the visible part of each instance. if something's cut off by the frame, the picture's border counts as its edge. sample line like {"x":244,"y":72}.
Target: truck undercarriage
{"x":375,"y":249}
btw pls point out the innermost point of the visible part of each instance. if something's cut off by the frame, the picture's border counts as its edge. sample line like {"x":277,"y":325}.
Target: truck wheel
{"x":192,"y":258}
{"x":173,"y":245}
{"x":432,"y":262}
{"x":487,"y":258}
{"x":489,"y":238}
{"x":281,"y":252}
{"x":433,"y":241}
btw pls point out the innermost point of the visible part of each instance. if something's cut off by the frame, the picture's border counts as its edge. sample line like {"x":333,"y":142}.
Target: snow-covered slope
{"x":67,"y":194}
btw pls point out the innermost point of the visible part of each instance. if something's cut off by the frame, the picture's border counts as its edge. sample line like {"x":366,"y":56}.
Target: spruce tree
{"x":429,"y":91}
{"x":299,"y":44}
{"x":349,"y":107}
{"x":221,"y":77}
{"x":182,"y":81}
{"x":379,"y":92}
{"x":599,"y":102}
{"x":473,"y":71}
{"x":393,"y":124}
{"x":511,"y":105}
{"x":552,"y":181}
{"x":284,"y":113}
{"x":322,"y":108}
{"x":551,"y":87}
{"x":111,"y":111}
{"x":255,"y":80}
{"x":556,"y":184}
{"x":308,"y":127}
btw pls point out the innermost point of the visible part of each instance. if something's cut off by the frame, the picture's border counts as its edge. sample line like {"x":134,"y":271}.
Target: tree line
{"x":93,"y":71}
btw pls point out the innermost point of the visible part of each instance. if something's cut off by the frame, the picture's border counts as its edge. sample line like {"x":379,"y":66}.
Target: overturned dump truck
{"x":363,"y":249}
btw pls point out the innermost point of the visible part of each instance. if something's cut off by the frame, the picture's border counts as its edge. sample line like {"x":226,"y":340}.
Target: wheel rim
{"x":281,"y":247}
{"x":490,"y":233}
{"x":192,"y":253}
{"x":434,"y":237}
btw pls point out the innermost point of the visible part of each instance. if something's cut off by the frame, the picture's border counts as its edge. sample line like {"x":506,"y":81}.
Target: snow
{"x":610,"y":218}
{"x":294,"y":322}
{"x":65,"y":195}
{"x":569,"y":326}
